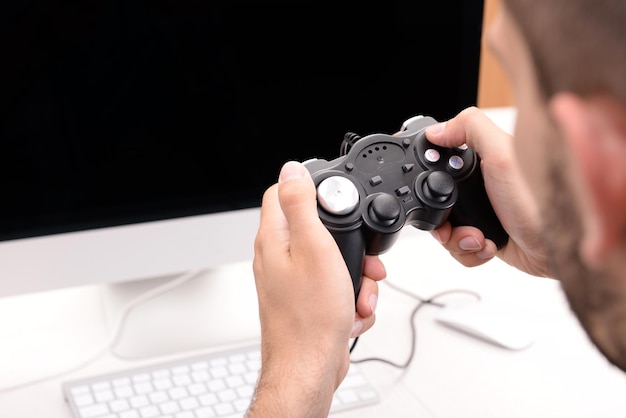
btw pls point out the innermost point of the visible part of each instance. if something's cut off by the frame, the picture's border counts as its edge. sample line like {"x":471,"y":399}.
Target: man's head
{"x":566,"y":62}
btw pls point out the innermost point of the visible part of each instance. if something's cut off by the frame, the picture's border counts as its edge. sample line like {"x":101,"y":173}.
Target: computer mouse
{"x":489,"y":323}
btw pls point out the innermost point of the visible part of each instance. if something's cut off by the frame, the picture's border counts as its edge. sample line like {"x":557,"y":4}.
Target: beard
{"x":593,"y":295}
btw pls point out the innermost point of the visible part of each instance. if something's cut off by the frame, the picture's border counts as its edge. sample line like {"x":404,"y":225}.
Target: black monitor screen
{"x":115,"y":112}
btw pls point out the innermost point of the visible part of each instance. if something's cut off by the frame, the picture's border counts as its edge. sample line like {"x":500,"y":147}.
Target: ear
{"x":594,"y":131}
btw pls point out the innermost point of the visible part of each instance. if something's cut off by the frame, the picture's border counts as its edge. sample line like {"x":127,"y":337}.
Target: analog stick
{"x":384,"y":209}
{"x":438,"y":186}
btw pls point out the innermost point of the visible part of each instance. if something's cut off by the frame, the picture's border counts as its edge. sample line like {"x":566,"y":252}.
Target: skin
{"x":306,"y":302}
{"x":559,"y":188}
{"x":568,"y":158}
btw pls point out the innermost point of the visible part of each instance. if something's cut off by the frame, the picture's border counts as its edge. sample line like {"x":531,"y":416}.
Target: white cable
{"x":115,"y":334}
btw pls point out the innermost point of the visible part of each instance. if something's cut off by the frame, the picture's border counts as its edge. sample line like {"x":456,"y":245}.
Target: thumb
{"x":472,"y":127}
{"x":297,"y":196}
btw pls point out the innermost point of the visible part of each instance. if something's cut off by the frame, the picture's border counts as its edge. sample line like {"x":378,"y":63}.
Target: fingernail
{"x":436,"y":128}
{"x":469,"y":244}
{"x":291,"y":170}
{"x":486,"y":253}
{"x":373,"y":302}
{"x":356,"y":328}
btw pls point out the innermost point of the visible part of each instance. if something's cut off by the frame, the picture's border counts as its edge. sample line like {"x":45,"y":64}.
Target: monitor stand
{"x":218,"y":306}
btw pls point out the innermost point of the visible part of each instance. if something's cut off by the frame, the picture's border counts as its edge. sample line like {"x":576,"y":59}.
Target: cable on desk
{"x":115,"y":334}
{"x":421,"y":303}
{"x":354,"y":343}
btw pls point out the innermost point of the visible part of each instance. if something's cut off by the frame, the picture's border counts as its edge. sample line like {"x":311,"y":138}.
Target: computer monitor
{"x":137,"y":137}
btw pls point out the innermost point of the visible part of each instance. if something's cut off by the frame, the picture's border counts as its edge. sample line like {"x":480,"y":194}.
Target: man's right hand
{"x":509,"y":195}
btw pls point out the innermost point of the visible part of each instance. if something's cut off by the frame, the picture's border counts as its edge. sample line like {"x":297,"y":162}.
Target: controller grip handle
{"x":474,"y":208}
{"x":351,"y":243}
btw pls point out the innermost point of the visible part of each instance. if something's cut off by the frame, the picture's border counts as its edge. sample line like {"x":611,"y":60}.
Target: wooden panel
{"x":493,"y":87}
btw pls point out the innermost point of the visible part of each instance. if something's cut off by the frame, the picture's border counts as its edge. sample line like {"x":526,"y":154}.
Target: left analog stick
{"x":338,"y":195}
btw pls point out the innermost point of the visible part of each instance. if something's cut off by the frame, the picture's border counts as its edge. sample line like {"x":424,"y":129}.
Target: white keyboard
{"x":213,"y":385}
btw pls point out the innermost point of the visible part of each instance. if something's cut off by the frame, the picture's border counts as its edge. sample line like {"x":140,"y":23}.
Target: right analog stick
{"x":384,"y":209}
{"x":438,"y":186}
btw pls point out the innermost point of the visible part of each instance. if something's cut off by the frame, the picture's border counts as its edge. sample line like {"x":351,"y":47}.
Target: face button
{"x":432,"y":155}
{"x":456,"y":163}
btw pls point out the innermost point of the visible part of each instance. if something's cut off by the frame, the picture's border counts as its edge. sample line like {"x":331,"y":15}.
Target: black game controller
{"x":382,"y":182}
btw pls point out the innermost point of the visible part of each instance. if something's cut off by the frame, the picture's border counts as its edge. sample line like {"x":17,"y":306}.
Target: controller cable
{"x":349,"y":139}
{"x":114,"y":335}
{"x":421,"y":303}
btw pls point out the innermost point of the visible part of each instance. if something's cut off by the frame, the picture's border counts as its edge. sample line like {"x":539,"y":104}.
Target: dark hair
{"x":576,"y":45}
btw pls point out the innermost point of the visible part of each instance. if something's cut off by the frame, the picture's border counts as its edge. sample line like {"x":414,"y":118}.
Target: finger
{"x":272,"y":224}
{"x":443,"y":233}
{"x":374,"y":268}
{"x":472,"y":127}
{"x":368,"y":297}
{"x":310,"y":243}
{"x":471,"y":240}
{"x":373,"y":271}
{"x":466,"y":244}
{"x":366,"y":306}
{"x":469,"y":246}
{"x":297,"y":196}
{"x":362,"y":325}
{"x":464,"y":239}
{"x":460,"y":239}
{"x":477,"y":258}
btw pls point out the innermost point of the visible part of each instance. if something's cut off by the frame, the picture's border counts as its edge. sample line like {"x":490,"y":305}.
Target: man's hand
{"x":306,"y":301}
{"x":507,"y":191}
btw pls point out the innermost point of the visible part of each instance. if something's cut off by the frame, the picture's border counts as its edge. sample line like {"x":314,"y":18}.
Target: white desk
{"x":452,"y":375}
